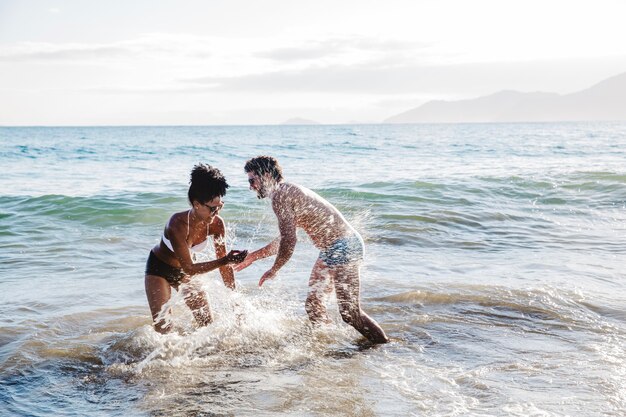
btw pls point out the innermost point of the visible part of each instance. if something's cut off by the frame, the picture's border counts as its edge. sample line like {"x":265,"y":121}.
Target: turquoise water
{"x":495,"y":258}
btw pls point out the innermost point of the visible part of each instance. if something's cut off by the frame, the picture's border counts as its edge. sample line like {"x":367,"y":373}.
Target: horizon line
{"x":310,"y":125}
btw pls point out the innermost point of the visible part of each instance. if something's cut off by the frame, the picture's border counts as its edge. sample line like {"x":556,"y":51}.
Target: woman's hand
{"x":236,"y":256}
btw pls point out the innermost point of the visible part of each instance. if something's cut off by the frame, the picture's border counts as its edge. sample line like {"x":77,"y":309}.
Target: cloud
{"x":149,"y":45}
{"x":66,"y":53}
{"x":372,"y":78}
{"x":358,"y":66}
{"x":307,"y":52}
{"x":155,"y":90}
{"x":332,"y":47}
{"x":388,"y":77}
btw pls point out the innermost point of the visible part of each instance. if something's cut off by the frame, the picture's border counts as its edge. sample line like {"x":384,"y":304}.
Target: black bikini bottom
{"x":155,"y":266}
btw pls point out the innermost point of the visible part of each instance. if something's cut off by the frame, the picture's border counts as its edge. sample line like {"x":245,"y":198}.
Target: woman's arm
{"x":219,"y":228}
{"x":177,"y":231}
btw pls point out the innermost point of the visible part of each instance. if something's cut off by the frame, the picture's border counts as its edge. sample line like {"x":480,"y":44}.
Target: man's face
{"x":258,"y":184}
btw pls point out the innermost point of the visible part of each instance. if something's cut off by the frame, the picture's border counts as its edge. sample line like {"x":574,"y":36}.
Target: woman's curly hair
{"x":206,"y":183}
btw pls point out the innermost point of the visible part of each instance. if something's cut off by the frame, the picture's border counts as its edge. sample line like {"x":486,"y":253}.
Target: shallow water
{"x":495,"y":261}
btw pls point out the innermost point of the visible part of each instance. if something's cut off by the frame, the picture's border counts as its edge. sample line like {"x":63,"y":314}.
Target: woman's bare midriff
{"x":164,"y":254}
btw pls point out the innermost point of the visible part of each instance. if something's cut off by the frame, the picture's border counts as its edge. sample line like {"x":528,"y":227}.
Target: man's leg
{"x":320,"y":286}
{"x":347,"y":287}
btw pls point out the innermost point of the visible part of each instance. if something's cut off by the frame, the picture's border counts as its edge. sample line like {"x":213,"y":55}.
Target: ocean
{"x":495,"y":261}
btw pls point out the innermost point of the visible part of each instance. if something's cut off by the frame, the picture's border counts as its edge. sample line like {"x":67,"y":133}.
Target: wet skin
{"x":200,"y":218}
{"x":296,"y":206}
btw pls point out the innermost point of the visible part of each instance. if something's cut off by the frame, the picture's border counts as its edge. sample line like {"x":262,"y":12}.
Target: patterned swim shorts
{"x":343,"y":251}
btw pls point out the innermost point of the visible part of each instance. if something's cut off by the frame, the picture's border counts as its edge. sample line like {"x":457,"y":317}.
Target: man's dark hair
{"x":206,"y":183}
{"x":264,"y":165}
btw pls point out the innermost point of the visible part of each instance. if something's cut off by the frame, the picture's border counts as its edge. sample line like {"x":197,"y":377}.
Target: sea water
{"x":495,"y":261}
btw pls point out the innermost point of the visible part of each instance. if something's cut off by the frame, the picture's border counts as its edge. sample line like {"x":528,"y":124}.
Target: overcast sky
{"x":155,"y":62}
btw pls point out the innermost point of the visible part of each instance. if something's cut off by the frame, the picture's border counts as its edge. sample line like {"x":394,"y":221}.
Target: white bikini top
{"x":195,"y":249}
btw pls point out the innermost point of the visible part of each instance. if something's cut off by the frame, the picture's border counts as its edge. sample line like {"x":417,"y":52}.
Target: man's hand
{"x":236,"y":256}
{"x":244,"y":264}
{"x":267,"y":276}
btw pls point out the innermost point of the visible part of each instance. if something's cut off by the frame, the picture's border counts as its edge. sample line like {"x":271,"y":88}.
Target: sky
{"x":234,"y":62}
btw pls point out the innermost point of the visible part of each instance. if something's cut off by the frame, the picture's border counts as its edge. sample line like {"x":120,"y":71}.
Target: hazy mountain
{"x":603,"y":101}
{"x":299,"y":121}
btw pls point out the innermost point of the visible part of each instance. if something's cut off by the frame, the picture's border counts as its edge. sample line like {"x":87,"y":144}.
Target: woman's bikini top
{"x":195,"y":249}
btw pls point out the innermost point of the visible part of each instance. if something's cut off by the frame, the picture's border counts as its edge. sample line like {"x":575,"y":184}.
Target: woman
{"x":172,"y":262}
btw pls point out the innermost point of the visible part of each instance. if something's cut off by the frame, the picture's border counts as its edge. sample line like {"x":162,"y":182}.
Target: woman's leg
{"x":158,"y":291}
{"x":198,"y":303}
{"x":347,"y":287}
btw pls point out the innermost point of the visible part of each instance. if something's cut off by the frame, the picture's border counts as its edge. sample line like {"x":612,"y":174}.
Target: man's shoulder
{"x":286,"y":189}
{"x":287,"y":194}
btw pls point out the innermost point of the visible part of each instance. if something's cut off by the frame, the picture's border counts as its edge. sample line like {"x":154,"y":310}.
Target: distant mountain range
{"x":603,"y":101}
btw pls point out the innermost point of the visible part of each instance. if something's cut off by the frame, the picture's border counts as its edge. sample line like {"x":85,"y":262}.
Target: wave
{"x":260,"y":329}
{"x":268,"y":330}
{"x":143,"y":208}
{"x":490,"y":213}
{"x":261,"y":342}
{"x":485,"y":213}
{"x":548,"y":306}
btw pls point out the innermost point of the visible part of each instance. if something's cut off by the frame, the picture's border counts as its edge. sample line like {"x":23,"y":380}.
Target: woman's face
{"x":211,"y":208}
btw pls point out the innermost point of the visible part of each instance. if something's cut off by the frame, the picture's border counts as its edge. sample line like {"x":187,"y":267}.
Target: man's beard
{"x":262,"y":192}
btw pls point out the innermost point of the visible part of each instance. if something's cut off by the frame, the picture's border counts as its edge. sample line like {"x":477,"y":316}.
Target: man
{"x":341,"y":247}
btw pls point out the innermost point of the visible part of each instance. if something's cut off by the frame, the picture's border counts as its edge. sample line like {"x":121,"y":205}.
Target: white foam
{"x":261,"y":327}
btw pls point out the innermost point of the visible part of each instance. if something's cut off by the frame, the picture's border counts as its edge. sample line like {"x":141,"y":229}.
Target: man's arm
{"x":266,"y":251}
{"x":287,"y":227}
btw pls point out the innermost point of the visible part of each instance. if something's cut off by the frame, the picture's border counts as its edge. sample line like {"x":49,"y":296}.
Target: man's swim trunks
{"x":343,"y":251}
